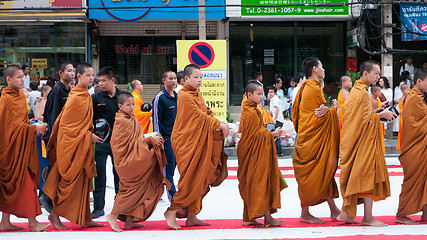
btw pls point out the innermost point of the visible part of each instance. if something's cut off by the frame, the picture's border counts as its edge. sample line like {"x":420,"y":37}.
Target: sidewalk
{"x":390,"y":149}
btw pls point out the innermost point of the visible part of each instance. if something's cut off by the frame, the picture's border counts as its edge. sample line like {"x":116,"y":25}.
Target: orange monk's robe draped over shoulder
{"x":265,"y":114}
{"x":143,"y":117}
{"x":413,"y":156}
{"x":316,"y":149}
{"x":363,"y":168}
{"x":382,"y":127}
{"x":70,"y":151}
{"x":199,"y":151}
{"x":139,"y":163}
{"x":341,"y":101}
{"x":399,"y":134}
{"x":260,"y":180}
{"x":19,"y":166}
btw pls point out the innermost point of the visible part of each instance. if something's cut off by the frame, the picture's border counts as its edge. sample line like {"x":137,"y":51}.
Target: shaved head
{"x":404,"y":86}
{"x":375,"y":88}
{"x":252,"y":86}
{"x":344,"y":78}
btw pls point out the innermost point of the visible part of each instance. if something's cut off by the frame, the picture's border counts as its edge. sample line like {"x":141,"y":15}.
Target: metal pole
{"x":202,"y":21}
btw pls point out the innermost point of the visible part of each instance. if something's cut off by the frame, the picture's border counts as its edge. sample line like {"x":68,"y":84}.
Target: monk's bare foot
{"x":36,"y":226}
{"x":373,"y":222}
{"x":133,"y":225}
{"x":112,"y":220}
{"x":406,"y":220}
{"x":196,"y":222}
{"x":92,"y":223}
{"x":253,"y":223}
{"x":171,"y":220}
{"x":272,"y":222}
{"x":334,"y":214}
{"x":56,"y":222}
{"x":10,"y":227}
{"x":344,"y":217}
{"x":308,"y":218}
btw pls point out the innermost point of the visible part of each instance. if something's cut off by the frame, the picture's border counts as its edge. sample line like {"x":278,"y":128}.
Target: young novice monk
{"x":346,"y":84}
{"x":19,"y":164}
{"x":260,"y":180}
{"x":198,"y":143}
{"x":405,"y":90}
{"x":413,"y":157}
{"x":139,"y":163}
{"x":364,"y":175}
{"x":70,"y":151}
{"x":315,"y":158}
{"x":377,"y":105}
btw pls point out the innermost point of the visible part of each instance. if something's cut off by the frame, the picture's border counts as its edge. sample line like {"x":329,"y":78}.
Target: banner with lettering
{"x":414,"y":21}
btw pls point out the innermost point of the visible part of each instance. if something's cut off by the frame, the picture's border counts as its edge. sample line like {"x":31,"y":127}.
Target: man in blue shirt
{"x":164,"y":113}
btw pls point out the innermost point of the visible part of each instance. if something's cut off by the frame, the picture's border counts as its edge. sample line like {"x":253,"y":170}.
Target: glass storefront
{"x":50,"y":44}
{"x":143,"y":58}
{"x":278,"y":49}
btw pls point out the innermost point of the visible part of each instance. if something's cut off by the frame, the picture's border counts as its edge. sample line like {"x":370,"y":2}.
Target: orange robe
{"x":70,"y":151}
{"x":139,"y":163}
{"x":316,"y":149}
{"x":199,"y":150}
{"x":399,"y":134}
{"x":143,"y":117}
{"x":19,"y":165}
{"x":341,"y":101}
{"x":413,"y":156}
{"x":265,"y":114}
{"x":363,"y":168}
{"x":260,"y":180}
{"x":382,"y":127}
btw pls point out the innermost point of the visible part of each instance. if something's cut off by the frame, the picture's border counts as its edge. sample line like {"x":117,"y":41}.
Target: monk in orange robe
{"x":265,"y":114}
{"x":364,"y":176}
{"x":413,"y":157}
{"x":198,"y":143}
{"x":260,"y":180}
{"x":346,"y":84}
{"x":139,"y":163}
{"x":405,"y":88}
{"x":315,"y":156}
{"x":19,"y":165}
{"x":378,"y":105}
{"x":70,"y":151}
{"x":143,"y":117}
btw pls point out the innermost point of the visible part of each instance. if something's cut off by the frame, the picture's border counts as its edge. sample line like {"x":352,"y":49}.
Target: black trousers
{"x":102,"y":151}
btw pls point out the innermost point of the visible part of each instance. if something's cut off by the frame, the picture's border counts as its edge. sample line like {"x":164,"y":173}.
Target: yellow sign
{"x":211,"y":57}
{"x":39,"y":63}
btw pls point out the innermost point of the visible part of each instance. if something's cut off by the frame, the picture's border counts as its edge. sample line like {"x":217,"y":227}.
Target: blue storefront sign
{"x":414,"y":21}
{"x":136,"y":10}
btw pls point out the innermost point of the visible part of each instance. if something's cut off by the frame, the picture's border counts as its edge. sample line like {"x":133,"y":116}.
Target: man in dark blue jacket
{"x":164,"y":113}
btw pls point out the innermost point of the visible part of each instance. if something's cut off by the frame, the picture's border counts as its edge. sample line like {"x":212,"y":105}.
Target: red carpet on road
{"x":220,"y":224}
{"x":364,"y":237}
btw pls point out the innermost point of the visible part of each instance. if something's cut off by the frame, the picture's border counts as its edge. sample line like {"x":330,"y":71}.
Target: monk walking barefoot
{"x":413,"y":157}
{"x":70,"y":150}
{"x":139,"y":162}
{"x":315,"y":158}
{"x":364,"y":175}
{"x":260,"y":180}
{"x":19,"y":166}
{"x":56,"y":222}
{"x":201,"y":163}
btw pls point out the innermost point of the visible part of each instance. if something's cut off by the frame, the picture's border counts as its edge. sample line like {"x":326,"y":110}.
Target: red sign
{"x":352,"y":64}
{"x":423,"y":27}
{"x":201,"y":54}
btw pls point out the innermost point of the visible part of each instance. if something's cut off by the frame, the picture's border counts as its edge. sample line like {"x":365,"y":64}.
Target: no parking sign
{"x":211,"y":57}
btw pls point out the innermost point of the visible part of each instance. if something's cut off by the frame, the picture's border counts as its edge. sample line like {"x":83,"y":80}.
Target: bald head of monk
{"x":313,"y":68}
{"x":376,"y":91}
{"x":14,"y":77}
{"x":420,"y":80}
{"x":136,"y":85}
{"x":126,"y":102}
{"x":255,"y":92}
{"x":405,"y":88}
{"x":346,"y":82}
{"x":370,"y":72}
{"x":193,"y":76}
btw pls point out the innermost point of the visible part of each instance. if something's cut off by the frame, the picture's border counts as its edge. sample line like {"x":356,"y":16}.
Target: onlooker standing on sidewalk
{"x":164,"y":113}
{"x":259,"y":78}
{"x":105,"y":105}
{"x":181,"y":81}
{"x":26,"y":70}
{"x":290,"y":93}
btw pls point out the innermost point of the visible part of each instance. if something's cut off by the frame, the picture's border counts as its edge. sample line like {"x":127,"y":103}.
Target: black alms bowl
{"x":102,"y":128}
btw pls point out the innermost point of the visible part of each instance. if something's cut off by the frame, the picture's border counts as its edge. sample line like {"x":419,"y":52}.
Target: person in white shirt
{"x":181,"y":81}
{"x":26,"y":71}
{"x":281,"y":94}
{"x":299,"y":79}
{"x":276,"y":109}
{"x":386,"y":90}
{"x":408,"y":66}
